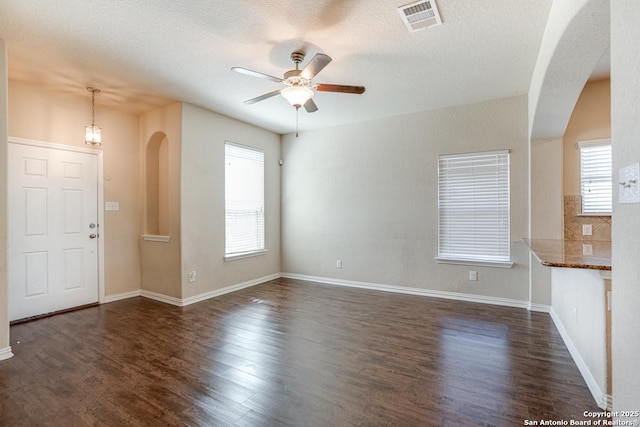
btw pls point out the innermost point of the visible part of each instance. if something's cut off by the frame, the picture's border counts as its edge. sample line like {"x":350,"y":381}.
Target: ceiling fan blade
{"x":262,"y":97}
{"x":256,"y":74}
{"x":310,"y":106}
{"x":317,"y":63}
{"x":324,"y":87}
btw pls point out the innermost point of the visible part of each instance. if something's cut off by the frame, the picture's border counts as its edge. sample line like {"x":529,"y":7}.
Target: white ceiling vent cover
{"x":420,"y":15}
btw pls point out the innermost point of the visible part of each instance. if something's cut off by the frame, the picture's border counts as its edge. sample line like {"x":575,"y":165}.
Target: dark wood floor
{"x":291,"y":353}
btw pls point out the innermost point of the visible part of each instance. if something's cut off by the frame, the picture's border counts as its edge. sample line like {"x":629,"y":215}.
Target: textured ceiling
{"x":145,"y":54}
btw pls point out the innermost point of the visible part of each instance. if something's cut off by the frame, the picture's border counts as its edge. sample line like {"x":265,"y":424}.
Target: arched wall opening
{"x":576,"y":38}
{"x":579,"y":48}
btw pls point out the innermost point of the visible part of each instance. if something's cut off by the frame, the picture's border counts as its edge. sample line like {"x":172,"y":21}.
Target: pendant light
{"x":92,"y":132}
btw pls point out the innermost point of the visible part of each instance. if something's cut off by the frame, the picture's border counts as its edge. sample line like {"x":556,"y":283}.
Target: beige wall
{"x":4,"y":307}
{"x":160,"y":261}
{"x":625,"y":129}
{"x":366,"y":193}
{"x":591,"y":119}
{"x":546,"y":212}
{"x":203,"y":137}
{"x":546,"y":189}
{"x":132,"y":263}
{"x":39,"y":114}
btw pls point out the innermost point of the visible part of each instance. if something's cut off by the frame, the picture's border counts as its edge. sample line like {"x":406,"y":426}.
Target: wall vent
{"x":420,"y":15}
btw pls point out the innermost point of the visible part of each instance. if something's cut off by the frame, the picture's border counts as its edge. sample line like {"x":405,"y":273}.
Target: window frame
{"x":502,"y":250}
{"x":583,"y":146}
{"x":228,"y":256}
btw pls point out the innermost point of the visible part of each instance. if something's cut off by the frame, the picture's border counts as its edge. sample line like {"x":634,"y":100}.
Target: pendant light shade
{"x":93,"y":132}
{"x":297,"y":95}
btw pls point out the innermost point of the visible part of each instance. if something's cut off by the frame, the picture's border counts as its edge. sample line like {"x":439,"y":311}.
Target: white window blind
{"x":244,"y":200}
{"x":473,"y":208}
{"x":595,"y":177}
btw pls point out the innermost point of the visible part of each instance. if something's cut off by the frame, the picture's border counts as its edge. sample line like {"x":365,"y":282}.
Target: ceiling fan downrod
{"x":297,"y":58}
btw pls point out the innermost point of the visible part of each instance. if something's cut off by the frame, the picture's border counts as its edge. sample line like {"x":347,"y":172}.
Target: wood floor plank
{"x":291,"y":353}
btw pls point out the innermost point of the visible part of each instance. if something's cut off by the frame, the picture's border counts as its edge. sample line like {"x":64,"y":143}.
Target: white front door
{"x":53,"y":229}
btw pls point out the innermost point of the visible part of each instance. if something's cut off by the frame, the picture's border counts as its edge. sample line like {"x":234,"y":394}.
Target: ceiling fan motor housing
{"x":292,"y":78}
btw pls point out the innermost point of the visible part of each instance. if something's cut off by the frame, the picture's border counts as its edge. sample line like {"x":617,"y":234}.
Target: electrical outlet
{"x":587,"y":249}
{"x":473,"y":275}
{"x":192,"y":276}
{"x":339,"y":263}
{"x":587,"y":230}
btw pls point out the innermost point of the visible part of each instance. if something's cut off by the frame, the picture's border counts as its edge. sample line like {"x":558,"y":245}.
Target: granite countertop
{"x":590,"y":254}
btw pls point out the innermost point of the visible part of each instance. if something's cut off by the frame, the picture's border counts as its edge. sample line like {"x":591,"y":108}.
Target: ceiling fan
{"x":299,"y":90}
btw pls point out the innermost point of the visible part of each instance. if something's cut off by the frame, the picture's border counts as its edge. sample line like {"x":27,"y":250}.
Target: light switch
{"x":629,"y":190}
{"x":111,"y":206}
{"x":587,"y":230}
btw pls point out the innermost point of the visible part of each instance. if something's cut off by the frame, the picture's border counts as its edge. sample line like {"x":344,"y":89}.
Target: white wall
{"x":578,"y":308}
{"x":625,"y":132}
{"x":203,"y":137}
{"x":366,"y":193}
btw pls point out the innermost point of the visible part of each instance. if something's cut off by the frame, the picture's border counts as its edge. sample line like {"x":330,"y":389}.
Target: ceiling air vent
{"x":420,"y":15}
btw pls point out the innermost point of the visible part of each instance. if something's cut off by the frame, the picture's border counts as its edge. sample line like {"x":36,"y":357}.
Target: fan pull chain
{"x":297,"y":109}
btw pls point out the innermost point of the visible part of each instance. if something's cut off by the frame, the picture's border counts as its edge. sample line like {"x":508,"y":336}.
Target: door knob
{"x":92,"y":236}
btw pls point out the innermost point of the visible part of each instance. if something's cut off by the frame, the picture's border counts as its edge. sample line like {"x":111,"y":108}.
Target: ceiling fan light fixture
{"x":297,"y":95}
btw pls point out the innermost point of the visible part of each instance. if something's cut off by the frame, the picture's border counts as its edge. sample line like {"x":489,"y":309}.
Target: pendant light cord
{"x":93,"y":108}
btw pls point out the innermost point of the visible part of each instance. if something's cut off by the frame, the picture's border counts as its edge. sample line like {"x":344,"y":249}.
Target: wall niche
{"x":157,"y":186}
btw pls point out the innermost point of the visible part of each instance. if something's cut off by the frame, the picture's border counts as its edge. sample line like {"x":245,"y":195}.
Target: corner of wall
{"x":5,"y":349}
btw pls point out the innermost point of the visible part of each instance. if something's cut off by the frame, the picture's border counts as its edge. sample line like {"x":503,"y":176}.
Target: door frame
{"x":100,"y":201}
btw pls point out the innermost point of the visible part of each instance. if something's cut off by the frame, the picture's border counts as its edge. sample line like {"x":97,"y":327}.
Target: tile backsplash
{"x":573,"y":223}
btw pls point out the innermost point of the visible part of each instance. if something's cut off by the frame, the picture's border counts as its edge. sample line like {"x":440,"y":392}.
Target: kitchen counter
{"x":588,"y":254}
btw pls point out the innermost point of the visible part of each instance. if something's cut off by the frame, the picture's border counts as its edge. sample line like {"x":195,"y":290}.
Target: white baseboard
{"x":602,"y":400}
{"x":118,"y":297}
{"x":181,"y":302}
{"x":540,"y":308}
{"x":6,"y":353}
{"x":217,"y":292}
{"x":412,"y":291}
{"x":161,"y":297}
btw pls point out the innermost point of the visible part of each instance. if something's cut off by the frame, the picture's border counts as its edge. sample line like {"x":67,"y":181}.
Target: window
{"x":244,"y":200}
{"x":473,"y":209}
{"x":595,"y":177}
